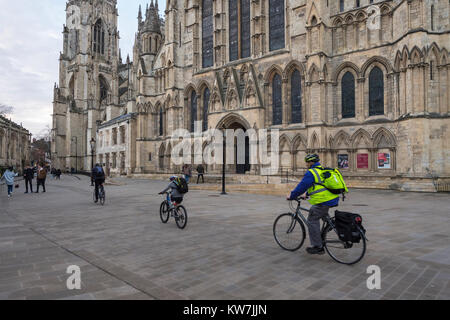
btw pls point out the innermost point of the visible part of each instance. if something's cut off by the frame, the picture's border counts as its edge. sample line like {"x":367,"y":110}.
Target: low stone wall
{"x":281,"y":183}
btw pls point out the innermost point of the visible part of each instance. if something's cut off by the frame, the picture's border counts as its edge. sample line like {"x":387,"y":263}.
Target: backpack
{"x":348,"y":226}
{"x":333,"y":181}
{"x":182,"y":185}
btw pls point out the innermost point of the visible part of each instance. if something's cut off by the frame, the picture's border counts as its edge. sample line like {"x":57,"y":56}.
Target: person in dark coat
{"x":41,"y":177}
{"x":28,"y":176}
{"x":201,"y":172}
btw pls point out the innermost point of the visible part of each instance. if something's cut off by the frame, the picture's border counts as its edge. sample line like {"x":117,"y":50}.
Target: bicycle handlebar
{"x":298,"y":199}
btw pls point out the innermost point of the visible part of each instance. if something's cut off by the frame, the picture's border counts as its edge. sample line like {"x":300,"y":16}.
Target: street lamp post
{"x":92,"y":142}
{"x":76,"y":153}
{"x":223,"y":161}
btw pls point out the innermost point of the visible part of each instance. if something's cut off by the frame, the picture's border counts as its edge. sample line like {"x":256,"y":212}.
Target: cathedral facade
{"x":362,"y":83}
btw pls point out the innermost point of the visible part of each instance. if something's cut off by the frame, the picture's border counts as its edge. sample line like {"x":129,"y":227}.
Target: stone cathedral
{"x":363,"y":83}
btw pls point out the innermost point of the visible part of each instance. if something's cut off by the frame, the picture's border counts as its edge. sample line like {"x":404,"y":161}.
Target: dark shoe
{"x":96,"y":201}
{"x":26,"y":192}
{"x":315,"y":250}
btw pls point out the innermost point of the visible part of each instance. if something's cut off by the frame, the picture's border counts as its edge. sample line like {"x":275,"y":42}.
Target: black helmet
{"x":312,"y":158}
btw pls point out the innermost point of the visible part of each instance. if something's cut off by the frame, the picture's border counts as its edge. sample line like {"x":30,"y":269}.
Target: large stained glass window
{"x":376,"y":92}
{"x":277,"y":105}
{"x":99,"y":38}
{"x":239,"y":30}
{"x":348,"y":95}
{"x":245,"y":28}
{"x":207,"y":33}
{"x":276,"y":25}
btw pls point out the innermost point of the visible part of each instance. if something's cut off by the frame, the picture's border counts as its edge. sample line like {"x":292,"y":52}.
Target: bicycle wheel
{"x":102,"y":196}
{"x":93,"y":196}
{"x":164,"y":211}
{"x":181,"y":217}
{"x":343,"y":252}
{"x":289,"y":232}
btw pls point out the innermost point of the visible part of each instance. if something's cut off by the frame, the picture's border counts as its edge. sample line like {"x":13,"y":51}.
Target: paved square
{"x":227,"y":250}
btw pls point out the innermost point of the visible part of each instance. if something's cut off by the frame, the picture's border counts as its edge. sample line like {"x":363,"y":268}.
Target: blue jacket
{"x":9,"y":177}
{"x":306,"y":183}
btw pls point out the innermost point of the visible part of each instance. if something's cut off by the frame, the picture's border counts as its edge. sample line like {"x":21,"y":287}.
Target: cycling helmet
{"x":312,"y":158}
{"x":173,"y":178}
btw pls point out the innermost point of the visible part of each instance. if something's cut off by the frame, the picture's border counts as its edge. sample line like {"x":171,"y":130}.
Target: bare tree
{"x":45,"y":134}
{"x":5,"y":109}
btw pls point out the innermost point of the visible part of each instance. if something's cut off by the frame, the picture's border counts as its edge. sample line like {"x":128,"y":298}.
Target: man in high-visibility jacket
{"x":320,"y":198}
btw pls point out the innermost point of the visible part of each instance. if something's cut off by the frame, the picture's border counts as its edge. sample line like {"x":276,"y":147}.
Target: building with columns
{"x":362,"y":83}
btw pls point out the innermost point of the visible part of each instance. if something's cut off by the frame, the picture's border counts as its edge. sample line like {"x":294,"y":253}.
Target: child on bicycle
{"x":175,"y":196}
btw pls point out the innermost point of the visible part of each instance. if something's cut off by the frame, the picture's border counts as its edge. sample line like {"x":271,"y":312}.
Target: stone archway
{"x":235,"y":122}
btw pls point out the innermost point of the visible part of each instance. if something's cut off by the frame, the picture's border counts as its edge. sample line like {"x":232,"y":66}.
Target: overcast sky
{"x":30,"y":43}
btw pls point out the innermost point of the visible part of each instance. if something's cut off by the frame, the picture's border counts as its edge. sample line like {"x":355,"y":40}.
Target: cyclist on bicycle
{"x":97,"y":176}
{"x":320,"y":198}
{"x":175,"y":195}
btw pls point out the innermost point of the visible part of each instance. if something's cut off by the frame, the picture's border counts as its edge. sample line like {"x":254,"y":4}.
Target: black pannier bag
{"x":347,"y":224}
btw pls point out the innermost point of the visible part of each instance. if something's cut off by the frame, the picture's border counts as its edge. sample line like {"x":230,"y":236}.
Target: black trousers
{"x":40,"y":182}
{"x":198,"y":178}
{"x":30,"y":182}
{"x":98,"y":183}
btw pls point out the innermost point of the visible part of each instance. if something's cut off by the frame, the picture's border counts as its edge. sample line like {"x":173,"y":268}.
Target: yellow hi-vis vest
{"x":317,"y":193}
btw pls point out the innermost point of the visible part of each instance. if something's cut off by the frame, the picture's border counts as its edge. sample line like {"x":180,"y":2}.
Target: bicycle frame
{"x":169,"y":201}
{"x":298,"y":214}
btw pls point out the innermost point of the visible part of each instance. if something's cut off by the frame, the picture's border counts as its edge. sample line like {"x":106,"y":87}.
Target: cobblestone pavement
{"x":227,"y":250}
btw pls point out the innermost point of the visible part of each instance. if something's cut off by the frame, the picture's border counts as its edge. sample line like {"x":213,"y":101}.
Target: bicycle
{"x":101,"y":195}
{"x":169,"y":208}
{"x":289,"y":232}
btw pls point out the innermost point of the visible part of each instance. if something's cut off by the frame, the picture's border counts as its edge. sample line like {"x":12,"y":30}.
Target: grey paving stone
{"x":226,"y":251}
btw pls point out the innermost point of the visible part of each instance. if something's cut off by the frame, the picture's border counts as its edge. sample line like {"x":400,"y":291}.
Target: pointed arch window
{"x":99,"y":38}
{"x":348,"y":95}
{"x":277,"y":106}
{"x":193,"y":110}
{"x":206,"y":95}
{"x":276,"y":25}
{"x":207,"y":33}
{"x":296,"y":97}
{"x":161,"y":121}
{"x":103,"y":89}
{"x":376,"y":92}
{"x":239,"y":31}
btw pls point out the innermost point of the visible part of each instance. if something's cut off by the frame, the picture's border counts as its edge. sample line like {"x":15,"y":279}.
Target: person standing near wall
{"x":200,"y":172}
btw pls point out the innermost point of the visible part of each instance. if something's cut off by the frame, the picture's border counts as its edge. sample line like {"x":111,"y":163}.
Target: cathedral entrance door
{"x":241,"y":168}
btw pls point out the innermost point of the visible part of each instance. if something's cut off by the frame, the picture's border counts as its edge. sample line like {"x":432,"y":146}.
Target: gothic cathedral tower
{"x":88,"y":91}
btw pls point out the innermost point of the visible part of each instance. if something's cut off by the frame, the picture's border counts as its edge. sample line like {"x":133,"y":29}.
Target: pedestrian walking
{"x":41,"y":177}
{"x":187,"y":171}
{"x":9,"y":176}
{"x":28,"y":176}
{"x":200,"y":173}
